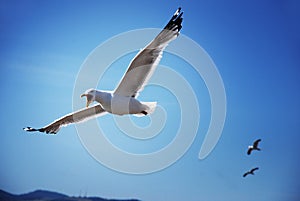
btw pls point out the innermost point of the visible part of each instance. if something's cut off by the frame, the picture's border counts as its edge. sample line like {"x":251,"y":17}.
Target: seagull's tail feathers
{"x":149,"y":109}
{"x":151,"y":106}
{"x":170,"y":31}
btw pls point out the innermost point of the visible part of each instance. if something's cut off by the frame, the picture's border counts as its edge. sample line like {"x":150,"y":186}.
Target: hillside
{"x":42,"y":195}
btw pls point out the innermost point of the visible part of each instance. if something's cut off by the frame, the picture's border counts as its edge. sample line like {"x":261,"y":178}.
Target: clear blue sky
{"x":255,"y":45}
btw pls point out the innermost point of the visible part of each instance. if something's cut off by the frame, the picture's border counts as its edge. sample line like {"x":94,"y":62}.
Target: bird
{"x":123,"y":100}
{"x":250,"y":172}
{"x":253,"y":147}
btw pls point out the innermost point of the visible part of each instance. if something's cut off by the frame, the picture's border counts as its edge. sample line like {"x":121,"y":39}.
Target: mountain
{"x":4,"y":196}
{"x":42,"y":195}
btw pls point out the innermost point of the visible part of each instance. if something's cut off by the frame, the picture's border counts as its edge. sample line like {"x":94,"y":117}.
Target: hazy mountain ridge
{"x":42,"y":195}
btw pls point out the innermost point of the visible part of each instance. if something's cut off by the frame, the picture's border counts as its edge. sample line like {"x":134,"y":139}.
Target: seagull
{"x":253,"y":147}
{"x":250,"y":172}
{"x":122,"y":100}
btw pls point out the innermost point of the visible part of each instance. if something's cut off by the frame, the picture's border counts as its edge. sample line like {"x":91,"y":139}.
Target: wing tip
{"x":42,"y":130}
{"x":176,"y":20}
{"x":30,"y":129}
{"x":177,"y":11}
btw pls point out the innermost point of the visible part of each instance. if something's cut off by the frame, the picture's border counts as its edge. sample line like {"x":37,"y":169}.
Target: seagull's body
{"x":118,"y":104}
{"x":253,"y":147}
{"x":250,"y":172}
{"x":123,"y":100}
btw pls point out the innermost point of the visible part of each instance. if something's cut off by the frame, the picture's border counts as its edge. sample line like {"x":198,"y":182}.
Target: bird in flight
{"x":123,"y":100}
{"x":250,"y":172}
{"x":253,"y":147}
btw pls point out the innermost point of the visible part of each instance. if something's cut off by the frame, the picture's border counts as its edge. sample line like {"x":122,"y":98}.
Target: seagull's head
{"x":90,"y":96}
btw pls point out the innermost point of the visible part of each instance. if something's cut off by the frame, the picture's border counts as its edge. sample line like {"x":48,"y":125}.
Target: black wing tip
{"x":42,"y":130}
{"x":177,"y":11}
{"x":176,"y":20}
{"x":30,"y":129}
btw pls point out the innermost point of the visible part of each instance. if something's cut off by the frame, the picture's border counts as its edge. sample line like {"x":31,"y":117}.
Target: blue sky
{"x":254,"y":44}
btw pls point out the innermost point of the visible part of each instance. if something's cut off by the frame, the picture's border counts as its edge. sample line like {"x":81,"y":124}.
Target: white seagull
{"x":123,"y":99}
{"x":253,"y":147}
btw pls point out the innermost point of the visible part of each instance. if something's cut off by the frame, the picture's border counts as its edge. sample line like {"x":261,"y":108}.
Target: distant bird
{"x":250,"y":172}
{"x":253,"y":147}
{"x":123,"y":100}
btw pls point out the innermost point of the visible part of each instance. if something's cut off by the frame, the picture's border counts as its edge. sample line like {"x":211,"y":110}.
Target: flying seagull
{"x":123,"y":100}
{"x":253,"y":147}
{"x":250,"y":172}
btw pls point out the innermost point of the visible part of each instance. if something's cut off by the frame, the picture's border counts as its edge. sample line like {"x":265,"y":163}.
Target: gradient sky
{"x":255,"y":45}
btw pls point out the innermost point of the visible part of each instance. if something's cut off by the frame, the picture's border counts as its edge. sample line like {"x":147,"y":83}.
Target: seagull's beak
{"x":88,"y":99}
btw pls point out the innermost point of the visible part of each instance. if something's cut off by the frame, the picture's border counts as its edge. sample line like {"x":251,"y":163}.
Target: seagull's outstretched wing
{"x":250,"y":149}
{"x":144,"y":63}
{"x":255,"y":144}
{"x":254,"y":169}
{"x":78,"y":116}
{"x":244,"y":175}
